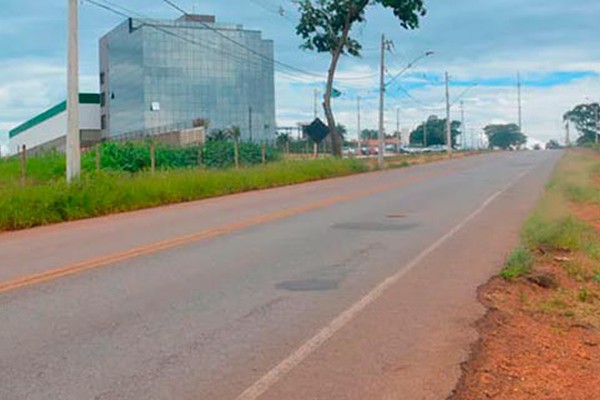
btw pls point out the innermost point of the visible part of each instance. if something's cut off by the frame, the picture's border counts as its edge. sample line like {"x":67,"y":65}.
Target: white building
{"x":48,"y":130}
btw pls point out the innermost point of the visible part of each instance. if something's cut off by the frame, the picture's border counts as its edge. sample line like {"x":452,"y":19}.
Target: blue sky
{"x":553,"y":43}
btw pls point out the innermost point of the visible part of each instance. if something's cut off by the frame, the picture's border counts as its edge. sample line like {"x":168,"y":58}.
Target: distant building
{"x":48,"y":130}
{"x":157,"y":76}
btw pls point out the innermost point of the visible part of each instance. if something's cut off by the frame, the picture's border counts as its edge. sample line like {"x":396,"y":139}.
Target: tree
{"x":325,"y":26}
{"x":584,"y":117}
{"x":433,"y":132}
{"x":369,"y":134}
{"x":505,"y":136}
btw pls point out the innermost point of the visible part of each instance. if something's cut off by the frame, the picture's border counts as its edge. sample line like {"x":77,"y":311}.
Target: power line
{"x":165,"y":30}
{"x":221,"y":34}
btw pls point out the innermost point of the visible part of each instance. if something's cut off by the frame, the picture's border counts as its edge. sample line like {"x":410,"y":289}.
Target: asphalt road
{"x":354,"y":288}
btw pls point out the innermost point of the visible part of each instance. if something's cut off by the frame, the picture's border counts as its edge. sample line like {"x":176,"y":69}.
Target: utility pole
{"x":358,"y":128}
{"x":519,"y":100}
{"x":425,"y":132}
{"x":568,"y":134}
{"x":463,"y":130}
{"x":448,"y":125}
{"x":73,"y":148}
{"x":381,"y":138}
{"x":316,"y":103}
{"x":398,"y":134}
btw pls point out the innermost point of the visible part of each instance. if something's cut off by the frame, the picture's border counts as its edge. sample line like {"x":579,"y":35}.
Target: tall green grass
{"x":553,"y":224}
{"x":112,"y":192}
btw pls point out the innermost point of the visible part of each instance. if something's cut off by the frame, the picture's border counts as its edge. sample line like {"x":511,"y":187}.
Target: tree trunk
{"x":336,"y":140}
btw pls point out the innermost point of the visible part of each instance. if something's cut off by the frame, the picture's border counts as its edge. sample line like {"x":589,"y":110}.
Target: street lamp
{"x":382,"y":88}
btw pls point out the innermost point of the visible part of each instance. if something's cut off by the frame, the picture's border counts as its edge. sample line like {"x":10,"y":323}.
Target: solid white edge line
{"x":262,"y":385}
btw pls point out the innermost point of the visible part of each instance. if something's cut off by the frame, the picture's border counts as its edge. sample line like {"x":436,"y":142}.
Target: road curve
{"x":354,"y":288}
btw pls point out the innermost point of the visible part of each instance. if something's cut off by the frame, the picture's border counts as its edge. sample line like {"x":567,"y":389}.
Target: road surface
{"x":361,"y":287}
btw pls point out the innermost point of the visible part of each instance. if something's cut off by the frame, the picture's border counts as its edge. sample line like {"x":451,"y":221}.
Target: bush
{"x":519,"y":263}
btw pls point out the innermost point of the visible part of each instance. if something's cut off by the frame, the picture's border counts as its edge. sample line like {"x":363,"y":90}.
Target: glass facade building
{"x":160,"y":75}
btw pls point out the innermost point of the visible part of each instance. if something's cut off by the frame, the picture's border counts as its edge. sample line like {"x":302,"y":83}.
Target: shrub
{"x":519,"y":263}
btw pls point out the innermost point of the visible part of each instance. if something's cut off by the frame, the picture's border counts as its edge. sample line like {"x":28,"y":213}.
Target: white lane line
{"x":261,"y":386}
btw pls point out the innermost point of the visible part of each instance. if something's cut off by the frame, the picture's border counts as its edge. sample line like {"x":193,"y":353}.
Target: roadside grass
{"x":103,"y":193}
{"x":45,"y":198}
{"x":556,"y":235}
{"x":519,"y":263}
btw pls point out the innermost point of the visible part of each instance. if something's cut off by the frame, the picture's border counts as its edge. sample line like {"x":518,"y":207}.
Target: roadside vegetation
{"x":541,"y":335}
{"x":118,"y":178}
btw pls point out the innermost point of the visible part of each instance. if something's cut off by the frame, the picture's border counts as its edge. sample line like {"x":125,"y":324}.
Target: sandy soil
{"x":538,"y":342}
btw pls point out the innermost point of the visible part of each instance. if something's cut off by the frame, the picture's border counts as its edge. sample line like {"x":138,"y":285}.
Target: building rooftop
{"x":84,"y":98}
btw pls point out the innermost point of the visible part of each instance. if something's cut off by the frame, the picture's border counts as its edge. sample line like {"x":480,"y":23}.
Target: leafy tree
{"x":369,"y":134}
{"x":504,"y":136}
{"x":218,"y":135}
{"x":584,"y":117}
{"x":326,"y":25}
{"x":433,"y":132}
{"x":341,"y":130}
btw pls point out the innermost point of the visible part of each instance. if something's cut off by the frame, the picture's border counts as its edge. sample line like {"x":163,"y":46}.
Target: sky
{"x":482,"y":45}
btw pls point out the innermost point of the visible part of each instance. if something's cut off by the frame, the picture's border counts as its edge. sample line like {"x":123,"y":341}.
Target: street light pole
{"x":358,"y":138}
{"x":381,"y":103}
{"x":448,"y":125}
{"x":73,"y":147}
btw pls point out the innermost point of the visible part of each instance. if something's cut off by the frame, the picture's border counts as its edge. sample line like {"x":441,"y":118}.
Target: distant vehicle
{"x":390,"y":148}
{"x":537,"y":146}
{"x":436,"y":148}
{"x":349,"y":151}
{"x":553,"y":145}
{"x":411,"y":150}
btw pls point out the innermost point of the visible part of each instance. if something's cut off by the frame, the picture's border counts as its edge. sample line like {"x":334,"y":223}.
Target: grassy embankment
{"x":540,"y":338}
{"x":103,"y":193}
{"x":561,"y":237}
{"x":45,"y":198}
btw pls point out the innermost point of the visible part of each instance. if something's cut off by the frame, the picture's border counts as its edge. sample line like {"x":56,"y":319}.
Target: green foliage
{"x":40,"y":168}
{"x":583,"y":295}
{"x":220,"y":154}
{"x":504,"y":136}
{"x":519,"y":263}
{"x":369,"y":134}
{"x":325,"y":24}
{"x":326,"y":27}
{"x":584,"y":116}
{"x":435,"y":129}
{"x":111,"y":192}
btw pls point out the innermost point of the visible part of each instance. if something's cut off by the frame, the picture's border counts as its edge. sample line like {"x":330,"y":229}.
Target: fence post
{"x":264,"y":152}
{"x":315,"y":150}
{"x":24,"y":165}
{"x":98,"y":155}
{"x":153,"y":156}
{"x":236,"y":153}
{"x":199,"y":155}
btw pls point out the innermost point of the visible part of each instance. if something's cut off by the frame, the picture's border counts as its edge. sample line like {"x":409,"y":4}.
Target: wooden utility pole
{"x":448,"y":124}
{"x":463,"y":130}
{"x":358,"y":127}
{"x":23,"y":165}
{"x":73,"y":141}
{"x":519,"y":102}
{"x":381,"y":135}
